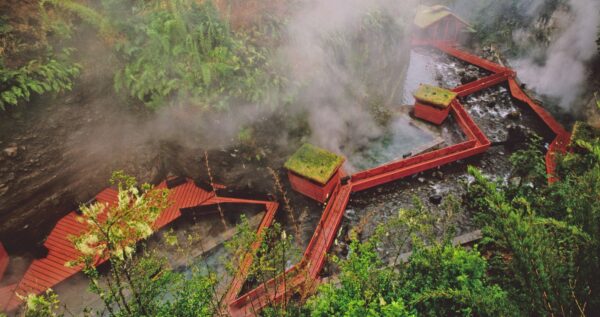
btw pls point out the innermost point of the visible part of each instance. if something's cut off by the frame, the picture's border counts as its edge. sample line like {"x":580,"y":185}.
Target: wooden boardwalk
{"x":48,"y":272}
{"x":305,"y":274}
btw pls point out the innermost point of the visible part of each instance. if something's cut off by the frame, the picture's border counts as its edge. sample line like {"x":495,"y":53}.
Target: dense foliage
{"x":35,"y":66}
{"x":186,"y":52}
{"x":542,"y":241}
{"x":135,"y":285}
{"x":180,"y":51}
{"x":438,"y":280}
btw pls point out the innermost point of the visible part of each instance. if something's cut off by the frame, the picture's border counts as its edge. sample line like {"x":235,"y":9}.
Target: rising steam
{"x":560,"y":71}
{"x":333,"y":92}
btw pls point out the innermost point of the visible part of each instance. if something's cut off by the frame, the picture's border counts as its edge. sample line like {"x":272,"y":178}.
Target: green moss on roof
{"x":434,"y":95}
{"x":584,"y":132}
{"x":314,"y":163}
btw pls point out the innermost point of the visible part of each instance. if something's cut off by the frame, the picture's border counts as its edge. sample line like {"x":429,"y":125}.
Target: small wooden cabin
{"x":314,"y":172}
{"x":3,"y":261}
{"x":438,"y":23}
{"x":433,"y":103}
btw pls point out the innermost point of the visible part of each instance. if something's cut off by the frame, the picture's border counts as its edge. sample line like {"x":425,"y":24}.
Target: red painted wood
{"x":481,"y":84}
{"x":48,"y":272}
{"x":469,"y":58}
{"x":4,"y":259}
{"x":430,"y":113}
{"x":6,"y":293}
{"x":308,"y":269}
{"x":311,"y":189}
{"x":305,"y":274}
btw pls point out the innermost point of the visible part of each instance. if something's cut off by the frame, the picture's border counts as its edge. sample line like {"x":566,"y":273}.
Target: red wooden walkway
{"x":306,"y":273}
{"x":50,"y":271}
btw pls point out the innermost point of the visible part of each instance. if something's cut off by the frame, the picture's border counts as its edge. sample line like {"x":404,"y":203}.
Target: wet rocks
{"x":514,"y":115}
{"x":517,"y":136}
{"x":3,"y":189}
{"x":435,"y":199}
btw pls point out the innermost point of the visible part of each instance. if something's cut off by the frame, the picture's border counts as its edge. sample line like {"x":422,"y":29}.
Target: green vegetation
{"x":171,"y":52}
{"x":437,"y":279}
{"x":31,"y":67}
{"x":187,"y":53}
{"x":583,"y":132}
{"x":181,"y":52}
{"x":434,"y":95}
{"x":539,"y":254}
{"x":51,"y":74}
{"x":314,"y":163}
{"x":138,"y":283}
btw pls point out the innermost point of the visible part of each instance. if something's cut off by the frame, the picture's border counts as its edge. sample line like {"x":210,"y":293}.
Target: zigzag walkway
{"x":305,"y":274}
{"x":50,"y":271}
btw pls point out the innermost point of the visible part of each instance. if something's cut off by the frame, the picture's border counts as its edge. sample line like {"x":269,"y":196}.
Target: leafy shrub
{"x":542,"y":241}
{"x":55,"y":74}
{"x":186,"y":52}
{"x":438,"y":280}
{"x":31,"y":66}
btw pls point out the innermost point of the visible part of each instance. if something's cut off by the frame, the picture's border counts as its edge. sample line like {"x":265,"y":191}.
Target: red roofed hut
{"x":314,"y":172}
{"x":438,"y":23}
{"x":433,"y":103}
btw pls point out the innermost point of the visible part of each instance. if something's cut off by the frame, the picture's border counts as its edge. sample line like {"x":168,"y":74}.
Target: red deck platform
{"x":50,"y":271}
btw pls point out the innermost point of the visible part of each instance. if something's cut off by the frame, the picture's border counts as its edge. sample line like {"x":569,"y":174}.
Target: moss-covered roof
{"x":428,"y":15}
{"x":314,"y":163}
{"x":584,"y":132}
{"x":434,"y":95}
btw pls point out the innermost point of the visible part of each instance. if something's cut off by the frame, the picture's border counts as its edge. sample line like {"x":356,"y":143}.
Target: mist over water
{"x":332,"y":92}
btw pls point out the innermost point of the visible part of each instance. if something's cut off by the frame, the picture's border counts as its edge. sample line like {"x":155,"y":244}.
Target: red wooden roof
{"x":49,"y":271}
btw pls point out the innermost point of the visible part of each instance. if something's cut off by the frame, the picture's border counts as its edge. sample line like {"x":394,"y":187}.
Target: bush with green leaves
{"x":437,"y":279}
{"x":138,"y":284}
{"x":51,"y":74}
{"x":543,"y":241}
{"x":182,"y":51}
{"x":29,"y":64}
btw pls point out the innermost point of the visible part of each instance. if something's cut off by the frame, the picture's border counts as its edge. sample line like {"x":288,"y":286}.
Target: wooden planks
{"x":51,"y":270}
